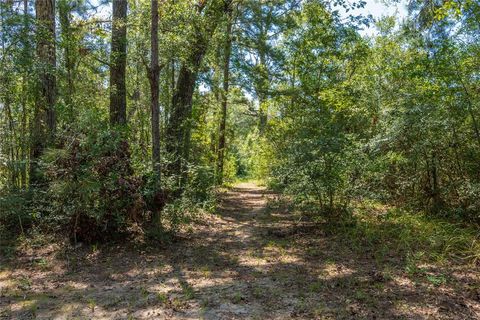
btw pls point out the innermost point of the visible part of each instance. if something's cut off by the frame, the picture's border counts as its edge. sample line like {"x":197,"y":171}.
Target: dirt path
{"x":248,"y":262}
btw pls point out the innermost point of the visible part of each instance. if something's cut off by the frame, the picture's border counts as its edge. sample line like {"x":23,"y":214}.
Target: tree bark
{"x":44,"y":121}
{"x":178,"y":124}
{"x":261,"y":91}
{"x":26,"y":54}
{"x":179,"y":120}
{"x":65,"y":9}
{"x":178,"y":129}
{"x":226,"y":83}
{"x":154,"y":90}
{"x":118,"y":63}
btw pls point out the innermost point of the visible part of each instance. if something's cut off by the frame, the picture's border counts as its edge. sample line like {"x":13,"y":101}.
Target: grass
{"x":188,"y":291}
{"x":412,"y":236}
{"x":206,"y":272}
{"x":279,"y":244}
{"x":91,"y":304}
{"x":389,"y":232}
{"x":237,"y":298}
{"x":162,"y":298}
{"x":437,"y":280}
{"x":316,"y":286}
{"x":238,"y":180}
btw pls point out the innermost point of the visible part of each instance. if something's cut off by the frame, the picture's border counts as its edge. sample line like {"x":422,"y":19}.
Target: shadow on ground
{"x":246,"y":262}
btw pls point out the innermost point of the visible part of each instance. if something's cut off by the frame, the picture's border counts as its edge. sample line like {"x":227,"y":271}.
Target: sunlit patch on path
{"x":240,"y":263}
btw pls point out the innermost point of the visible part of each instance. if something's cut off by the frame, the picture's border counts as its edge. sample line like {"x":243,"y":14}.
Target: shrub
{"x":92,"y":189}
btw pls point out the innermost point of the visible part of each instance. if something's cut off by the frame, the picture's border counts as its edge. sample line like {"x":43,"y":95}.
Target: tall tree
{"x":178,"y":129}
{"x":44,"y":114}
{"x":68,"y":44}
{"x":118,"y":64}
{"x":226,"y":83}
{"x":262,"y":23}
{"x":154,"y":74}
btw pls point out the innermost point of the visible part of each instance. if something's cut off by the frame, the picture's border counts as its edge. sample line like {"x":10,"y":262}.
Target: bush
{"x":16,"y":213}
{"x":411,"y":234}
{"x":93,"y":192}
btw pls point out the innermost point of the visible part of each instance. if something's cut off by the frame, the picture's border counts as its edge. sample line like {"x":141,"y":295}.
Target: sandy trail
{"x":250,"y":261}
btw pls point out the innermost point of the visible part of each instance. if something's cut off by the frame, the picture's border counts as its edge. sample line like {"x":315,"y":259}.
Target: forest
{"x":239,"y":159}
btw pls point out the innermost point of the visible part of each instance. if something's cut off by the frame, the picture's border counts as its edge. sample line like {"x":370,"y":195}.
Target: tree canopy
{"x":136,"y":111}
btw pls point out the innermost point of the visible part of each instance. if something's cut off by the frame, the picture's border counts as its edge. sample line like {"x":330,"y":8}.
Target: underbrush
{"x":95,"y":186}
{"x":411,"y":235}
{"x":92,"y":200}
{"x":389,"y":233}
{"x":41,"y":229}
{"x":232,"y":183}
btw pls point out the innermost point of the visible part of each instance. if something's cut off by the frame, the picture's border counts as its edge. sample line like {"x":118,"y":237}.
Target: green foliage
{"x":413,"y":236}
{"x":253,"y":157}
{"x":92,"y":189}
{"x":314,"y":140}
{"x":391,"y":118}
{"x":313,"y":109}
{"x":15,"y":212}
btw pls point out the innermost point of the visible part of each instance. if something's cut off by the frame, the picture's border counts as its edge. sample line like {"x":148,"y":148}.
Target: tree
{"x":44,"y":114}
{"x":118,"y":64}
{"x":226,"y":75}
{"x":153,"y":77}
{"x":178,"y":131}
{"x":68,"y":43}
{"x":262,"y":23}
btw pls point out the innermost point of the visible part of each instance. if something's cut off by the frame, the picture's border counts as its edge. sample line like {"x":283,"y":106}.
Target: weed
{"x":144,"y":292}
{"x":42,"y":263}
{"x":302,"y":306}
{"x":205,"y":270}
{"x":205,"y":303}
{"x":361,"y":296}
{"x":406,"y":234}
{"x":178,"y":304}
{"x":258,"y":293}
{"x":162,"y":298}
{"x":412,"y":262}
{"x":278,"y":243}
{"x":33,"y":307}
{"x":320,"y":310}
{"x":316,"y":286}
{"x":237,"y":298}
{"x":91,"y":304}
{"x":188,"y":291}
{"x":314,"y":252}
{"x":437,"y":280}
{"x":24,"y":283}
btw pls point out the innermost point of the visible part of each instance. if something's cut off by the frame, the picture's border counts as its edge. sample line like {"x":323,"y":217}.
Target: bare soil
{"x":249,"y":261}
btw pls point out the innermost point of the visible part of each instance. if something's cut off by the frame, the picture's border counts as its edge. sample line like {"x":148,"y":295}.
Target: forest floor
{"x":249,"y":261}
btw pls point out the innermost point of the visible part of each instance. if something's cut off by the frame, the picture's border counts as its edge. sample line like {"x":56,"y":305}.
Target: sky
{"x":378,"y":9}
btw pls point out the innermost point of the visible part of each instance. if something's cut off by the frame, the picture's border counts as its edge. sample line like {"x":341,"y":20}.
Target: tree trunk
{"x":178,"y":125}
{"x":44,"y":121}
{"x":154,"y":74}
{"x":118,"y":62}
{"x":263,"y":111}
{"x":65,"y":9}
{"x":436,"y":196}
{"x":154,"y":90}
{"x":226,"y":76}
{"x":178,"y":129}
{"x":26,"y":54}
